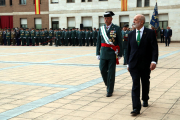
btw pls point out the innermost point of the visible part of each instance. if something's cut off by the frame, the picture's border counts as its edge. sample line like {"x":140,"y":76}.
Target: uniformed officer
{"x":125,"y":33}
{"x":87,"y":37}
{"x":33,"y":36}
{"x":37,"y":37}
{"x":91,"y":38}
{"x":77,"y":34}
{"x":22,"y":35}
{"x":27,"y":36}
{"x":73,"y":36}
{"x":70,"y":33}
{"x":56,"y":33}
{"x":13,"y":36}
{"x":80,"y":36}
{"x":109,"y":51}
{"x":94,"y":36}
{"x":1,"y":37}
{"x":63,"y":33}
{"x":83,"y":37}
{"x":46,"y":36}
{"x":4,"y":36}
{"x":51,"y":35}
{"x":59,"y":36}
{"x":18,"y":37}
{"x":8,"y":36}
{"x":66,"y":37}
{"x":43,"y":37}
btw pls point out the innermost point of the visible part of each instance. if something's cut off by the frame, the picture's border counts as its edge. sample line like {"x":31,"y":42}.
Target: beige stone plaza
{"x":64,"y":83}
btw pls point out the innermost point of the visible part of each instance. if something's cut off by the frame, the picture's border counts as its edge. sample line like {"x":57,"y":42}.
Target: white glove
{"x":116,"y":52}
{"x":89,"y":38}
{"x":119,"y":57}
{"x":98,"y":57}
{"x":75,"y":37}
{"x":34,"y":37}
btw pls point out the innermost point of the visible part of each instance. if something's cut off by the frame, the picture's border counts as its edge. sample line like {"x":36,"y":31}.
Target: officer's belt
{"x":114,"y":48}
{"x":125,"y":38}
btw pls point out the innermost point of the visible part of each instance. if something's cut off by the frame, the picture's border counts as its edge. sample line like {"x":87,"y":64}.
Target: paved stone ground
{"x":64,"y":83}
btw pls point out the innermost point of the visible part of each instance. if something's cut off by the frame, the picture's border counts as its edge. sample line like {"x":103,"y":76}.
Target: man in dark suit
{"x":162,"y":35}
{"x":141,"y":59}
{"x":109,"y":51}
{"x":167,"y":35}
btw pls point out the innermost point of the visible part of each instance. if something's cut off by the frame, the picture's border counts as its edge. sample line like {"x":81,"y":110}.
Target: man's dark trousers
{"x":162,"y":38}
{"x":167,"y":41}
{"x":108,"y":70}
{"x":140,"y":72}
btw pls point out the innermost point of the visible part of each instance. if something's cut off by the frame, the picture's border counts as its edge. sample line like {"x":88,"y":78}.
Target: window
{"x":10,"y":2}
{"x":124,"y":20}
{"x":101,"y":21}
{"x":70,"y":1}
{"x":35,"y":0}
{"x":147,"y":20}
{"x":55,"y":23}
{"x":54,"y":1}
{"x":87,"y":22}
{"x":83,"y":1}
{"x":2,"y":2}
{"x":38,"y":23}
{"x":23,"y":23}
{"x":146,"y":3}
{"x":22,"y":2}
{"x":71,"y":22}
{"x":89,"y":0}
{"x":139,"y":3}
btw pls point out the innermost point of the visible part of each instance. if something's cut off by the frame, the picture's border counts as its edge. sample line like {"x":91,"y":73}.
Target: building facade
{"x":22,"y":14}
{"x":88,"y":13}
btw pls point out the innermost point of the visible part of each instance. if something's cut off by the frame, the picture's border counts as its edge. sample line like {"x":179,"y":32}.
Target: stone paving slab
{"x":64,"y":83}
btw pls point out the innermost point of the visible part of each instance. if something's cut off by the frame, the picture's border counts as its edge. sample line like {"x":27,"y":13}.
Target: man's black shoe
{"x":135,"y":112}
{"x":109,"y":95}
{"x":145,"y":103}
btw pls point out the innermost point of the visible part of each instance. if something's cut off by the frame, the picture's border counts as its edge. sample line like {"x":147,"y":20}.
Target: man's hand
{"x":128,"y":68}
{"x":153,"y":66}
{"x":98,"y":57}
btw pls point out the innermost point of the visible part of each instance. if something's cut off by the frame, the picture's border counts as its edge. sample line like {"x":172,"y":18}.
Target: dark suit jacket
{"x":162,"y":32}
{"x":168,"y":33}
{"x":145,"y":53}
{"x":106,"y":52}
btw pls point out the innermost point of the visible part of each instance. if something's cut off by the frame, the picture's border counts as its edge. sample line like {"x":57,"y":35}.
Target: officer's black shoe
{"x":109,"y":95}
{"x":145,"y":103}
{"x":125,"y":64}
{"x":135,"y":112}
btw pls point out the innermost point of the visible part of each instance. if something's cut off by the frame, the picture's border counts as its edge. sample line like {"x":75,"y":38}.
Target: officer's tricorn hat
{"x":108,"y":14}
{"x":126,"y":25}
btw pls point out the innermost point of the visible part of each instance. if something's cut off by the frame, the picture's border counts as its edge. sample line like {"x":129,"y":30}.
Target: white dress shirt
{"x":109,"y":26}
{"x":141,"y":33}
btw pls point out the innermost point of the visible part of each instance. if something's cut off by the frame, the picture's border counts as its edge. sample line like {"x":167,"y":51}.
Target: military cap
{"x":108,"y":14}
{"x":126,"y":25}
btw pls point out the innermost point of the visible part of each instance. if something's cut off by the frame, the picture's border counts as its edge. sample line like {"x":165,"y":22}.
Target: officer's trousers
{"x":108,"y":70}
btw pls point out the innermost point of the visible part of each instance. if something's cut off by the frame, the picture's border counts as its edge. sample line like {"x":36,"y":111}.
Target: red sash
{"x":114,"y":48}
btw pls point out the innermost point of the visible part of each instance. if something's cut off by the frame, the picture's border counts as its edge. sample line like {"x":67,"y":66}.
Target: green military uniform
{"x":83,"y":38}
{"x":80,"y":37}
{"x":27,"y":36}
{"x":91,"y":40}
{"x":51,"y":35}
{"x":59,"y":37}
{"x":56,"y":38}
{"x":37,"y":36}
{"x":87,"y":37}
{"x":73,"y":37}
{"x":13,"y":37}
{"x":66,"y":38}
{"x":1,"y":37}
{"x":43,"y":38}
{"x":77,"y":34}
{"x":63,"y":42}
{"x":125,"y":44}
{"x":70,"y":40}
{"x":94,"y":37}
{"x":33,"y":34}
{"x":107,"y":54}
{"x":22,"y":36}
{"x":8,"y":37}
{"x":46,"y":36}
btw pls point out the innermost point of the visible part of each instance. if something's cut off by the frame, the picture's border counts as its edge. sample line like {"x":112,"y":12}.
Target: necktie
{"x":138,"y":38}
{"x":107,"y":28}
